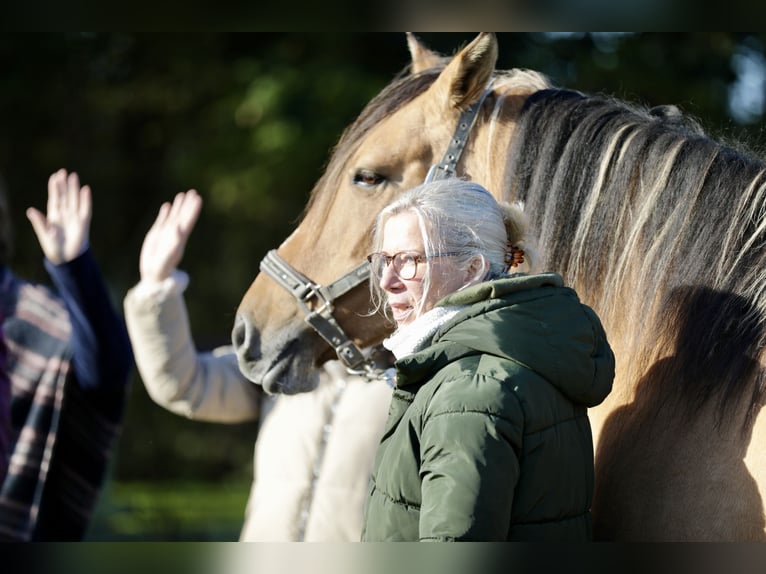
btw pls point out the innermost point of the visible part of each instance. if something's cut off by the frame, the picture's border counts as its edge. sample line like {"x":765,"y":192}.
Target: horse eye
{"x":368,"y":178}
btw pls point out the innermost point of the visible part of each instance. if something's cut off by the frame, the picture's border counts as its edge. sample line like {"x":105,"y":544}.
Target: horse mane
{"x":660,"y":228}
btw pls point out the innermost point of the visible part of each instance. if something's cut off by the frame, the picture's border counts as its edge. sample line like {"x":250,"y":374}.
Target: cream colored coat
{"x":314,"y":451}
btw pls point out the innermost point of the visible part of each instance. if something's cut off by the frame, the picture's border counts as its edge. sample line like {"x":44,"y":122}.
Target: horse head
{"x":390,"y":147}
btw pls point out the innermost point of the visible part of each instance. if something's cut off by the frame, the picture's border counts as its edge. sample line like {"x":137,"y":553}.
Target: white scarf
{"x":414,"y":336}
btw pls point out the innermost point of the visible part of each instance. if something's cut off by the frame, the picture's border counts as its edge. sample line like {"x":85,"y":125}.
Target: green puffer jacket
{"x":487,"y":435}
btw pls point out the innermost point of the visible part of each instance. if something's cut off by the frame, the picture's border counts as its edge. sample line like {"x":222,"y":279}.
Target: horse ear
{"x":423,"y":58}
{"x":466,"y":76}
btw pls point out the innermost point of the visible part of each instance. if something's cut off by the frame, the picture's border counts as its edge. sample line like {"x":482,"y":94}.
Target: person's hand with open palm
{"x":63,"y":231}
{"x":165,"y":242}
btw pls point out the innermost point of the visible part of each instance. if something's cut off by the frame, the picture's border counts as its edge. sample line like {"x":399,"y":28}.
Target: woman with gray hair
{"x":488,"y":435}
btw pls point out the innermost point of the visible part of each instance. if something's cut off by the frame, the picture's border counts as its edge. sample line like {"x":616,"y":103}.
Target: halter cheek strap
{"x":448,"y":166}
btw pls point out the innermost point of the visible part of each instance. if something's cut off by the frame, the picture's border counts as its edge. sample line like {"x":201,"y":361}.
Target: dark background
{"x":248,"y":119}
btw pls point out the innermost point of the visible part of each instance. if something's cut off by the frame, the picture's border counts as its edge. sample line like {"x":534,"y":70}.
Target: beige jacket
{"x":314,"y":451}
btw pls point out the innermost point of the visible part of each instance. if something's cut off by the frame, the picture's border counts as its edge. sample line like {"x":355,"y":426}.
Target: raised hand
{"x":63,"y":234}
{"x":165,"y":242}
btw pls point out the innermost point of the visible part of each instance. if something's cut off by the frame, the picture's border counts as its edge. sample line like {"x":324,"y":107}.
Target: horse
{"x":658,"y":227}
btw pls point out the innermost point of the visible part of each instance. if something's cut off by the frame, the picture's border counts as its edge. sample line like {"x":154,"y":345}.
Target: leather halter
{"x":320,"y":317}
{"x":448,"y":165}
{"x":317,"y":301}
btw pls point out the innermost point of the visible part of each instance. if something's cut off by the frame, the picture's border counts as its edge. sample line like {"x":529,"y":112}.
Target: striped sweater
{"x":63,"y":431}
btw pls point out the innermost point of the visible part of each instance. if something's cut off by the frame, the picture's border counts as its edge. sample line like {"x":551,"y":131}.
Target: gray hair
{"x":460,"y":216}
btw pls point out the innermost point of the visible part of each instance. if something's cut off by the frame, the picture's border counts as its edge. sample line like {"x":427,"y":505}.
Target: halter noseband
{"x":305,"y":291}
{"x":321,"y":318}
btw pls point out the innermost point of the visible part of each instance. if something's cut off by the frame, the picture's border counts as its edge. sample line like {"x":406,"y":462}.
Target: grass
{"x":173,"y":511}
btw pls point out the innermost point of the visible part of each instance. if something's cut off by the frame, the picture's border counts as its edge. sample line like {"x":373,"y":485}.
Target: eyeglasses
{"x":405,"y":262}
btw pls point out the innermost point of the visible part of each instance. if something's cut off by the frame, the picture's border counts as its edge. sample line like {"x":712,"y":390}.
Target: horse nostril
{"x":246,"y":340}
{"x":239,"y":333}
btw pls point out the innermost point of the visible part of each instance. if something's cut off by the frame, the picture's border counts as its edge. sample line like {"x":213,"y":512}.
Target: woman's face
{"x":401,"y":233}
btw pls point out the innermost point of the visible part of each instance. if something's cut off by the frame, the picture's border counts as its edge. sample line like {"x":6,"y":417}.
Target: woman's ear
{"x":477,"y":270}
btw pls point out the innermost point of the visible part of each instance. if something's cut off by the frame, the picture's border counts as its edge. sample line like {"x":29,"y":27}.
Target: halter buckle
{"x":439,"y":171}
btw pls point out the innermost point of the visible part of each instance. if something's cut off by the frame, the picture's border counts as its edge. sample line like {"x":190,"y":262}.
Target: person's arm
{"x":101,"y":353}
{"x":196,"y":385}
{"x":202,"y":386}
{"x":469,"y":469}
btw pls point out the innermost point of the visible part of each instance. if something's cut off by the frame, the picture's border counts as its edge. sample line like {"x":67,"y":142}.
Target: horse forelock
{"x":519,"y":78}
{"x":632,"y":206}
